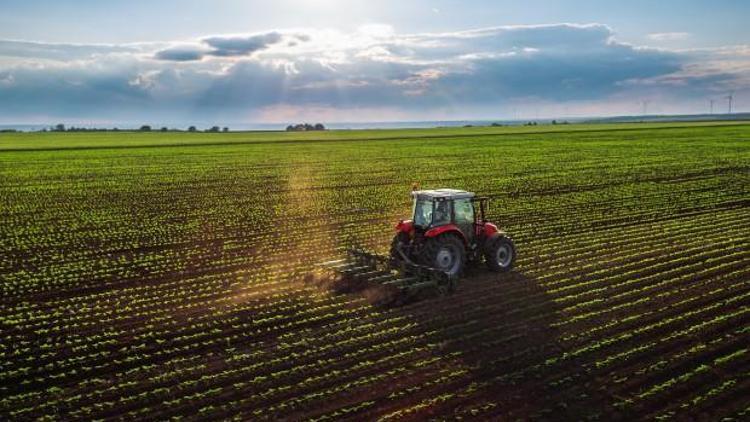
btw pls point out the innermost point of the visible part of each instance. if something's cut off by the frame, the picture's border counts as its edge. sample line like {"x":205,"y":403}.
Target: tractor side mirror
{"x":484,"y":207}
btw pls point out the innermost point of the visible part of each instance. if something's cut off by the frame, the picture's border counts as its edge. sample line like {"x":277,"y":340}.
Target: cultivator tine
{"x":334,"y":263}
{"x":361,"y":269}
{"x":384,"y":278}
{"x":343,"y":266}
{"x":366,"y":276}
{"x":355,"y":270}
{"x":413,"y":288}
{"x":401,"y":282}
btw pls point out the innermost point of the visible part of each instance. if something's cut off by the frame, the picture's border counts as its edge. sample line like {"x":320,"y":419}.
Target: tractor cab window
{"x":442,"y":213}
{"x":422,"y":212}
{"x":464,"y":210}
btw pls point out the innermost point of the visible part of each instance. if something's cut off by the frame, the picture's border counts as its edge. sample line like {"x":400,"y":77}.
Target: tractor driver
{"x":442,"y":213}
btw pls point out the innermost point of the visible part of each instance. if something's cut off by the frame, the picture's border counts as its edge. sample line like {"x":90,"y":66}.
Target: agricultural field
{"x":170,"y":276}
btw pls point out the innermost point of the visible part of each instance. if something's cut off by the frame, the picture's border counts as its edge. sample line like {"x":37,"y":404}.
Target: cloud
{"x":58,"y":51}
{"x":669,"y":36}
{"x":181,"y":53}
{"x":70,"y":91}
{"x":228,"y":46}
{"x":6,"y":78}
{"x":706,"y":73}
{"x":246,"y":77}
{"x":241,"y":46}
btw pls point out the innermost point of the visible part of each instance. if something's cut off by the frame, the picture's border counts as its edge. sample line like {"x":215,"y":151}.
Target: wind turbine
{"x":645,"y":104}
{"x":730,"y":97}
{"x":712,"y":106}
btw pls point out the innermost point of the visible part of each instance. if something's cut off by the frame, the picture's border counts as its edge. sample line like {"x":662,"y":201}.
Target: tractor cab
{"x":443,"y":207}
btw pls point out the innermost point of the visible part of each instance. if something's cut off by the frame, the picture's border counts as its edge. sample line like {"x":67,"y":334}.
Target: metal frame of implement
{"x":405,"y":276}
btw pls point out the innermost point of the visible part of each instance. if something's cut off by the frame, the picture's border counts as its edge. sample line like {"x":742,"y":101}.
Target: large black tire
{"x":500,"y":254}
{"x":446,"y":252}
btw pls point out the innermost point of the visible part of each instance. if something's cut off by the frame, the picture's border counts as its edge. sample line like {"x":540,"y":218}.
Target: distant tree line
{"x":300,"y":127}
{"x":145,"y":128}
{"x":530,"y":123}
{"x":305,"y":127}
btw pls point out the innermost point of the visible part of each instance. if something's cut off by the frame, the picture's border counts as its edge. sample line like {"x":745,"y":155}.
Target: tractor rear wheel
{"x":500,"y":254}
{"x":446,"y":253}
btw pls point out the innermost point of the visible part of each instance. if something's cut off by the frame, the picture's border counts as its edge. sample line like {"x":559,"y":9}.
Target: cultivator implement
{"x":397,"y":278}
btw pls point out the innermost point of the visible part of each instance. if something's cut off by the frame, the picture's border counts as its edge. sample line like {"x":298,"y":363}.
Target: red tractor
{"x":432,"y":249}
{"x":446,"y":233}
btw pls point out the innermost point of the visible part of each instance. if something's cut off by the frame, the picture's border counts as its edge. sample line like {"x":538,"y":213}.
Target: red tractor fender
{"x":405,"y":226}
{"x":448,"y":228}
{"x":488,"y":230}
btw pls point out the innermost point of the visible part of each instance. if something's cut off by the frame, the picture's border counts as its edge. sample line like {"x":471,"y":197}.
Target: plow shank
{"x":362,"y":269}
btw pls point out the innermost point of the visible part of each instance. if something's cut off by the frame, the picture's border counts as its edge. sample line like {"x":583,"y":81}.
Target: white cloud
{"x":373,"y":67}
{"x":60,"y":51}
{"x":6,"y":78}
{"x":669,"y":36}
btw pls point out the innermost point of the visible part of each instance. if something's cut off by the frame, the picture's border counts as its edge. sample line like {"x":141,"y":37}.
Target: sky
{"x":283,"y":61}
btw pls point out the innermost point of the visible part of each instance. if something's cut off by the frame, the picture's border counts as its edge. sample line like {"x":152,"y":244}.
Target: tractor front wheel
{"x":446,"y":253}
{"x":500,"y":254}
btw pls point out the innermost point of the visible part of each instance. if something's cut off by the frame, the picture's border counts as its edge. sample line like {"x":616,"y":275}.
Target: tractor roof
{"x":442,"y":194}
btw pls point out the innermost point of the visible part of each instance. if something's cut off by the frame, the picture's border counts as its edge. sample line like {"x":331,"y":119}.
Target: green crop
{"x":173,"y":275}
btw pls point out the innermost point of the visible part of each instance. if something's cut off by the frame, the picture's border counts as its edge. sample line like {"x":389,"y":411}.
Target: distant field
{"x":52,"y":140}
{"x":151,"y":276}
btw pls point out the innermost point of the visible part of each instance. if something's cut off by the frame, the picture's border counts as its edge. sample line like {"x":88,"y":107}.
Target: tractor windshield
{"x":422,"y":212}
